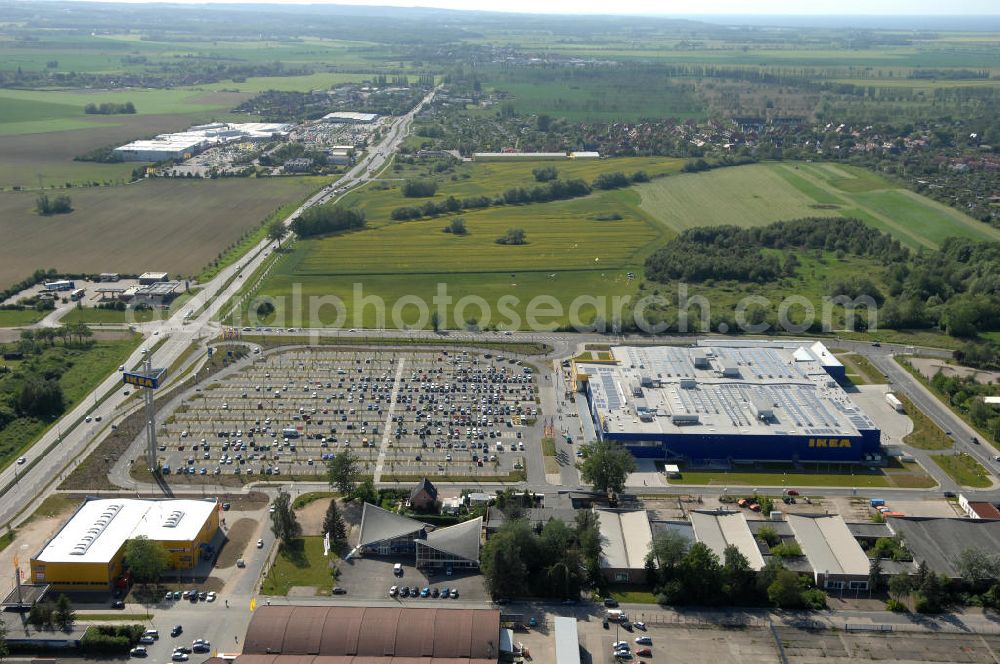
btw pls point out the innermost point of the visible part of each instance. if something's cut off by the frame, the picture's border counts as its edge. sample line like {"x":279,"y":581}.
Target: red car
{"x":792,"y":492}
{"x":645,"y":652}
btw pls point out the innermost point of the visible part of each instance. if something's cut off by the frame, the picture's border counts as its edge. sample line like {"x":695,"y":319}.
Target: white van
{"x":397,"y":569}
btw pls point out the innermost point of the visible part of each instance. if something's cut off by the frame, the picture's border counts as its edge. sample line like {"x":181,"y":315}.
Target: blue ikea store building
{"x":735,"y":401}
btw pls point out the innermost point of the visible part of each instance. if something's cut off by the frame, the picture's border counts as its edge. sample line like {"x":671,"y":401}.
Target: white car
{"x":260,"y":544}
{"x":22,"y":461}
{"x":180,"y":657}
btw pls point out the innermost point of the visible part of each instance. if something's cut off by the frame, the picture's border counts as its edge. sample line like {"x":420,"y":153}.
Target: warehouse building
{"x":728,"y":401}
{"x":366,"y":635}
{"x":718,"y":530}
{"x":88,"y":551}
{"x":940,"y":541}
{"x":348,"y":117}
{"x":838,"y":562}
{"x":626,"y":537}
{"x":186,"y":144}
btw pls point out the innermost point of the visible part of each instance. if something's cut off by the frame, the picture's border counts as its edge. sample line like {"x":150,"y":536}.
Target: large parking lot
{"x":405,"y":414}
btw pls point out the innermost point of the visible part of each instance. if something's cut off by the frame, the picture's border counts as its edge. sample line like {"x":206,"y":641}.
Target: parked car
{"x":644,"y":640}
{"x":183,"y":649}
{"x":146,"y":640}
{"x":645,"y":652}
{"x":610,"y":603}
{"x":176,"y":631}
{"x":393,"y":591}
{"x":180,"y":656}
{"x":337,"y":590}
{"x":426,"y":592}
{"x":404,"y":591}
{"x":138,"y":651}
{"x":117,"y":604}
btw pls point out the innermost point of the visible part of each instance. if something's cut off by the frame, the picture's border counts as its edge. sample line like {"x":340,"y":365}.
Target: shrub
{"x":419,"y":188}
{"x":896,"y":606}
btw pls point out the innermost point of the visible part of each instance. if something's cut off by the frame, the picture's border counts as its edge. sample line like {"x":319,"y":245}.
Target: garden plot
{"x":405,"y":415}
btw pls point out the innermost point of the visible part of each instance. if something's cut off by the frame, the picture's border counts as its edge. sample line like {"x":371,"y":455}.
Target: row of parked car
{"x":425,"y":592}
{"x":180,"y":653}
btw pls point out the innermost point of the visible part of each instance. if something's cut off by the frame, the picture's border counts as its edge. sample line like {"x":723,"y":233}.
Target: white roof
{"x":522,"y":155}
{"x":586,"y":154}
{"x":829,"y":545}
{"x":625,"y":538}
{"x":99,"y":529}
{"x":716,"y":397}
{"x":347,"y":115}
{"x":992,"y":400}
{"x":717,"y":530}
{"x":567,"y":641}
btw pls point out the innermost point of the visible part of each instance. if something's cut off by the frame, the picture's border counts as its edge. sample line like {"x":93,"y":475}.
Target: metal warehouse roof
{"x":625,"y":538}
{"x":940,"y":541}
{"x":461,"y":540}
{"x":717,"y":530}
{"x":378,"y":525}
{"x":100,"y":527}
{"x":828,"y":544}
{"x":359,"y":635}
{"x":719,"y":389}
{"x":567,"y":641}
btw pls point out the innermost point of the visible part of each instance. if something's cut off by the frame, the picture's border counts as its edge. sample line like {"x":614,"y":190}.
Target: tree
{"x":436,"y":321}
{"x":900,"y":586}
{"x":606,"y":466}
{"x":343,"y":472}
{"x":456,"y":227}
{"x":333,"y":523}
{"x":737,"y":576}
{"x":701,"y":575}
{"x":978,"y":567}
{"x":876,"y":577}
{"x":504,"y":558}
{"x":147,"y":559}
{"x":276,"y":231}
{"x":785,"y":591}
{"x":513,"y":236}
{"x":41,"y":398}
{"x":284,"y":525}
{"x":4,"y":650}
{"x":64,"y":615}
{"x":666,"y":552}
{"x":40,"y":615}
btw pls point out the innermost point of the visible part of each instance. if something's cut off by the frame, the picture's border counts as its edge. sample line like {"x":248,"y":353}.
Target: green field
{"x":570,"y":253}
{"x":79,"y":370}
{"x":963,"y":469}
{"x":178,"y":226}
{"x":93,"y":316}
{"x":760,"y":194}
{"x":300,"y":563}
{"x":19,"y":317}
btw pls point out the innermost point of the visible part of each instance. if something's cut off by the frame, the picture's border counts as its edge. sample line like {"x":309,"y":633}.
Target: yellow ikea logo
{"x":829,"y":442}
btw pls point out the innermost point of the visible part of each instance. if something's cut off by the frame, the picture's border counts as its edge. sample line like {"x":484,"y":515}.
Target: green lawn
{"x":20,"y":317}
{"x":759,"y":194}
{"x":926,"y":435}
{"x":906,"y":475}
{"x":630,"y":595}
{"x":300,"y":563}
{"x":963,"y":469}
{"x":93,"y":316}
{"x":79,"y":371}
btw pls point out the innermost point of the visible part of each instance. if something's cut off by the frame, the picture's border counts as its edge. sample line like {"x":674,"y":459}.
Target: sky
{"x":679,"y":7}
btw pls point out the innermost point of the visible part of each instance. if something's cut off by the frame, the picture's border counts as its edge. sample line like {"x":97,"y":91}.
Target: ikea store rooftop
{"x":729,"y":401}
{"x":86,"y":553}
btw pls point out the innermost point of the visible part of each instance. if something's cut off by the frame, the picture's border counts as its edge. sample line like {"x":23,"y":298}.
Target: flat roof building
{"x":515,"y":156}
{"x":186,"y":144}
{"x":940,"y":541}
{"x":626,"y":537}
{"x":147,"y":278}
{"x":717,"y":530}
{"x":87,"y":552}
{"x":348,"y":117}
{"x":837,"y":560}
{"x":567,"y":641}
{"x":728,"y":400}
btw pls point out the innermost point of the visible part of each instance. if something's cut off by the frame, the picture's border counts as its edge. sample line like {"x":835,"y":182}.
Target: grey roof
{"x":378,"y":525}
{"x":461,"y":540}
{"x":829,"y":545}
{"x":940,"y":541}
{"x":424,"y":484}
{"x":869,"y":530}
{"x":718,"y":530}
{"x":625,"y":538}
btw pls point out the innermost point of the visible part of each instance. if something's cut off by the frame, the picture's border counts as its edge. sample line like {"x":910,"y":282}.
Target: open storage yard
{"x":404,"y":414}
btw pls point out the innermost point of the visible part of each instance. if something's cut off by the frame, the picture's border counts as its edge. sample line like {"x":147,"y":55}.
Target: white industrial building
{"x":348,"y":117}
{"x":186,"y":144}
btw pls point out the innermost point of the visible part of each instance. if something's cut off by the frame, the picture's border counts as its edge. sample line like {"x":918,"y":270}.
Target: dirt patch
{"x":237,"y":539}
{"x":928,"y":367}
{"x":311,"y":517}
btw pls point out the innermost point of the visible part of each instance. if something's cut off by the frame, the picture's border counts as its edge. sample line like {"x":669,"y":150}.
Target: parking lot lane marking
{"x":388,"y":421}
